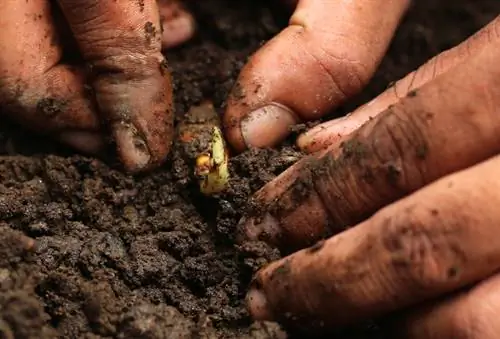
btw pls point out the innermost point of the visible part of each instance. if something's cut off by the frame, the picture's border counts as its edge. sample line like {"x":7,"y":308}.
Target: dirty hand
{"x":410,"y":198}
{"x":119,"y":75}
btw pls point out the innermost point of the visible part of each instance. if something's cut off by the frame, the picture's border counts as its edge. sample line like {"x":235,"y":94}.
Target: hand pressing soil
{"x":147,"y":256}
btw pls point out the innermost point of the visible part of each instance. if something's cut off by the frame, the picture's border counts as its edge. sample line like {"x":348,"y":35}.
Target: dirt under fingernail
{"x":148,"y":256}
{"x":131,"y":147}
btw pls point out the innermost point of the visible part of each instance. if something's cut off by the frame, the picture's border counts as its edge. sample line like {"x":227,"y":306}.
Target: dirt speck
{"x":422,"y":150}
{"x":50,"y":107}
{"x":353,"y":148}
{"x":150,"y":31}
{"x":117,"y":256}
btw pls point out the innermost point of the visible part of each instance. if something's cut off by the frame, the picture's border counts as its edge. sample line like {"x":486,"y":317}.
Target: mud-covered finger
{"x":438,"y":240}
{"x":446,"y":125}
{"x":335,"y":131}
{"x":37,"y":91}
{"x":472,"y":314}
{"x":327,"y":54}
{"x":121,"y":42}
{"x":178,"y":25}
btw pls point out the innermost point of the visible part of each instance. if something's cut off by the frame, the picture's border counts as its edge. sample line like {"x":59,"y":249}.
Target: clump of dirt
{"x":147,"y":256}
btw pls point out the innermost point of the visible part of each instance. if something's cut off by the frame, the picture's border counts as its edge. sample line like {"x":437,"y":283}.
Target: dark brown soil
{"x":147,"y":257}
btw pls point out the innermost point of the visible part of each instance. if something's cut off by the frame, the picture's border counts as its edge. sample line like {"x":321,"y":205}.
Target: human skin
{"x":432,"y":207}
{"x":119,"y":86}
{"x":405,"y":187}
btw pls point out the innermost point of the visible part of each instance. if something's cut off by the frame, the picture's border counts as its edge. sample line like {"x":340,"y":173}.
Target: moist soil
{"x":117,"y":256}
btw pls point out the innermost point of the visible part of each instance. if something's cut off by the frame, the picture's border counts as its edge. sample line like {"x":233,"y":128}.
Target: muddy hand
{"x":411,"y":199}
{"x":329,"y":51}
{"x":122,"y":81}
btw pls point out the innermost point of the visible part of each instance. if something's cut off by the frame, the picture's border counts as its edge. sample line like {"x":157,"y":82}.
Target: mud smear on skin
{"x":148,"y":257}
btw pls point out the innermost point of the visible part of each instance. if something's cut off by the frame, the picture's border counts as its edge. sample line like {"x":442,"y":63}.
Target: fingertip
{"x":177,"y":30}
{"x":258,"y":306}
{"x":333,"y":132}
{"x":259,"y":224}
{"x":311,"y":141}
{"x":287,"y":213}
{"x":325,"y":135}
{"x":266,"y":229}
{"x":178,"y":25}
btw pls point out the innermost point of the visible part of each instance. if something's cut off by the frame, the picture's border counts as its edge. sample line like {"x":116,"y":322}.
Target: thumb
{"x":327,"y":54}
{"x":121,"y":41}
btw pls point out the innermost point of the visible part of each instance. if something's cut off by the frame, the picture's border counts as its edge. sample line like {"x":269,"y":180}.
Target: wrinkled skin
{"x":405,"y":188}
{"x":411,"y":174}
{"x":118,"y":85}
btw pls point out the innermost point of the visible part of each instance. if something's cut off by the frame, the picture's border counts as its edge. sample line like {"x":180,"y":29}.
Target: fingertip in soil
{"x":89,"y":252}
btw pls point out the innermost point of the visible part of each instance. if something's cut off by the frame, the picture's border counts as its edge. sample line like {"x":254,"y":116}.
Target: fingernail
{"x":267,"y":126}
{"x":87,"y":142}
{"x":265,"y":228}
{"x":131,"y":147}
{"x":258,"y":306}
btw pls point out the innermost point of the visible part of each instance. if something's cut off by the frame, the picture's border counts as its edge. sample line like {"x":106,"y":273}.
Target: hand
{"x":326,"y":55}
{"x":410,"y":199}
{"x":120,"y":76}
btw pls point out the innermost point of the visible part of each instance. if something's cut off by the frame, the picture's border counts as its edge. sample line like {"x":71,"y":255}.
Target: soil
{"x":117,"y":256}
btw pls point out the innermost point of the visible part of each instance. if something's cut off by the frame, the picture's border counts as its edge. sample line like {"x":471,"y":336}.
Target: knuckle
{"x":343,"y":67}
{"x":384,"y":158}
{"x":344,"y":73}
{"x":339,"y":190}
{"x":399,"y":145}
{"x":354,"y":76}
{"x":98,"y":40}
{"x":349,"y":75}
{"x":424,"y":250}
{"x":128,"y":66}
{"x":101,"y":34}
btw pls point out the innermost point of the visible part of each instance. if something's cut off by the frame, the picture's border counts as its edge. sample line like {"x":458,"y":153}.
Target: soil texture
{"x":116,"y":256}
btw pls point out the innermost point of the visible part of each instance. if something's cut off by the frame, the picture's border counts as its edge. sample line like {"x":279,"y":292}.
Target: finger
{"x":121,"y":40}
{"x":337,"y":130}
{"x":34,"y":89}
{"x":177,"y":24}
{"x":437,"y":240}
{"x":447,"y":125}
{"x":326,"y":54}
{"x":473,"y":314}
